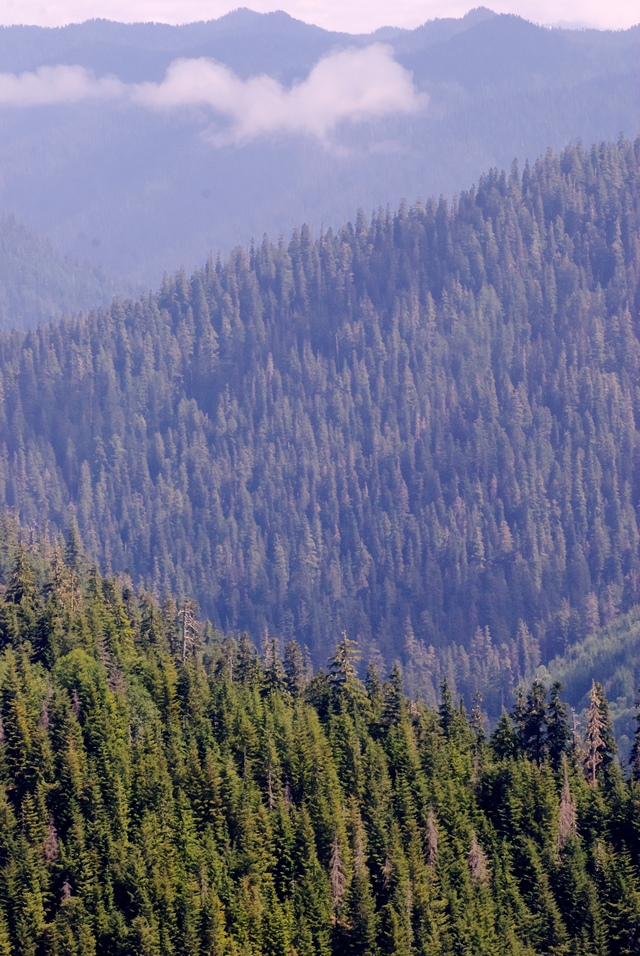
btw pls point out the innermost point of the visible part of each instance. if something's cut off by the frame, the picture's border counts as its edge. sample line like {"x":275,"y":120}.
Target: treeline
{"x":422,"y":429}
{"x":165,"y":790}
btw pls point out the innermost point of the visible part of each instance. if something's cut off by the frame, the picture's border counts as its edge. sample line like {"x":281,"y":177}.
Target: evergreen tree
{"x":447,"y":710}
{"x":558,"y":734}
{"x":294,"y":668}
{"x":534,"y":731}
{"x":600,"y":746}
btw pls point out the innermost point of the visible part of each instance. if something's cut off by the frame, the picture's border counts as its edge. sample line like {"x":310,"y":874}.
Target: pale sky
{"x":353,"y":16}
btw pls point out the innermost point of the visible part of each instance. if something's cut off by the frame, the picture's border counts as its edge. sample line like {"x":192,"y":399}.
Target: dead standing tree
{"x":190,"y":630}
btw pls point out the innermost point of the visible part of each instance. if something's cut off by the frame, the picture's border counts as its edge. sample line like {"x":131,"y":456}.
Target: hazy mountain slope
{"x":610,"y":655}
{"x":422,"y":429}
{"x":141,"y":192}
{"x":37,"y":283}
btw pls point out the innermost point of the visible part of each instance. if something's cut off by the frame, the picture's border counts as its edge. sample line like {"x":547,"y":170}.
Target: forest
{"x":421,"y":430}
{"x":166,"y":790}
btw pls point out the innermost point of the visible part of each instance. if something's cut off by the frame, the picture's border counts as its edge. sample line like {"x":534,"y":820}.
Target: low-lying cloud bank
{"x":54,"y":85}
{"x":347,"y":86}
{"x":350,"y":85}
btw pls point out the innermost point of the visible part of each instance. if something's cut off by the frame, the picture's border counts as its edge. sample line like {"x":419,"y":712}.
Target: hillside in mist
{"x":37,"y":283}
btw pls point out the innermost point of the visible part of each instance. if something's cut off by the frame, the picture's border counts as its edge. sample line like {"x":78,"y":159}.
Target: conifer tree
{"x":477,"y":719}
{"x":338,"y":878}
{"x":504,"y":739}
{"x":634,"y":757}
{"x":534,"y":731}
{"x":446,"y":710}
{"x":342,"y":666}
{"x":273,"y":667}
{"x":190,"y":632}
{"x":558,"y":734}
{"x":294,"y":668}
{"x":600,"y":746}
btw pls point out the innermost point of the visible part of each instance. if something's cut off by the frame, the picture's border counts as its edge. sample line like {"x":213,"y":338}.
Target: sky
{"x":352,"y":16}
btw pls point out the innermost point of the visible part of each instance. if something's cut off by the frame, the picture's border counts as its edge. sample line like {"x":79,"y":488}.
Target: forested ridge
{"x":422,"y":429}
{"x":166,"y":791}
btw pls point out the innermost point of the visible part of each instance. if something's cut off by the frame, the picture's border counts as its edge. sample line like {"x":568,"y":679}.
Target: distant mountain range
{"x":138,"y":190}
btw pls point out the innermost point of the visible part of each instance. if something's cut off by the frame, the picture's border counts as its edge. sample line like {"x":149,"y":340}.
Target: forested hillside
{"x":159,"y":797}
{"x":613,"y":653}
{"x":422,"y":429}
{"x":37,"y":283}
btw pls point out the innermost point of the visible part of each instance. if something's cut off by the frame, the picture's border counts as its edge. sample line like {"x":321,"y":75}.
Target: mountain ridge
{"x":159,"y":194}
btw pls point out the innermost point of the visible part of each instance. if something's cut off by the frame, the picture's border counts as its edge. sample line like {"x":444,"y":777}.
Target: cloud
{"x":51,"y":85}
{"x":351,"y":85}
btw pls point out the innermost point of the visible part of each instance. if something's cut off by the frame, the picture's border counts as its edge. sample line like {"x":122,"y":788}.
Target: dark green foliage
{"x":155,"y":805}
{"x":534,"y":740}
{"x":558,"y":733}
{"x":634,"y":757}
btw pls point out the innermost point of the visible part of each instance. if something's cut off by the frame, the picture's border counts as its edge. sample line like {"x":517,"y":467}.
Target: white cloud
{"x":353,"y":84}
{"x":350,"y":85}
{"x":52,"y":85}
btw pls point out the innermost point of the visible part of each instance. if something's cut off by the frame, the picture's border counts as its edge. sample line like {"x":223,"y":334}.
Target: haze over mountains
{"x":88,"y":159}
{"x":38,"y":283}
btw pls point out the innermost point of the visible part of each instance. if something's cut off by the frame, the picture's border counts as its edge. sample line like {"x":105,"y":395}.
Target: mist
{"x":56,"y":85}
{"x":350,"y":85}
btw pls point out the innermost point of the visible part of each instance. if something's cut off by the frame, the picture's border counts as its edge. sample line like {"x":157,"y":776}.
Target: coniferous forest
{"x":166,"y":790}
{"x":421,"y":429}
